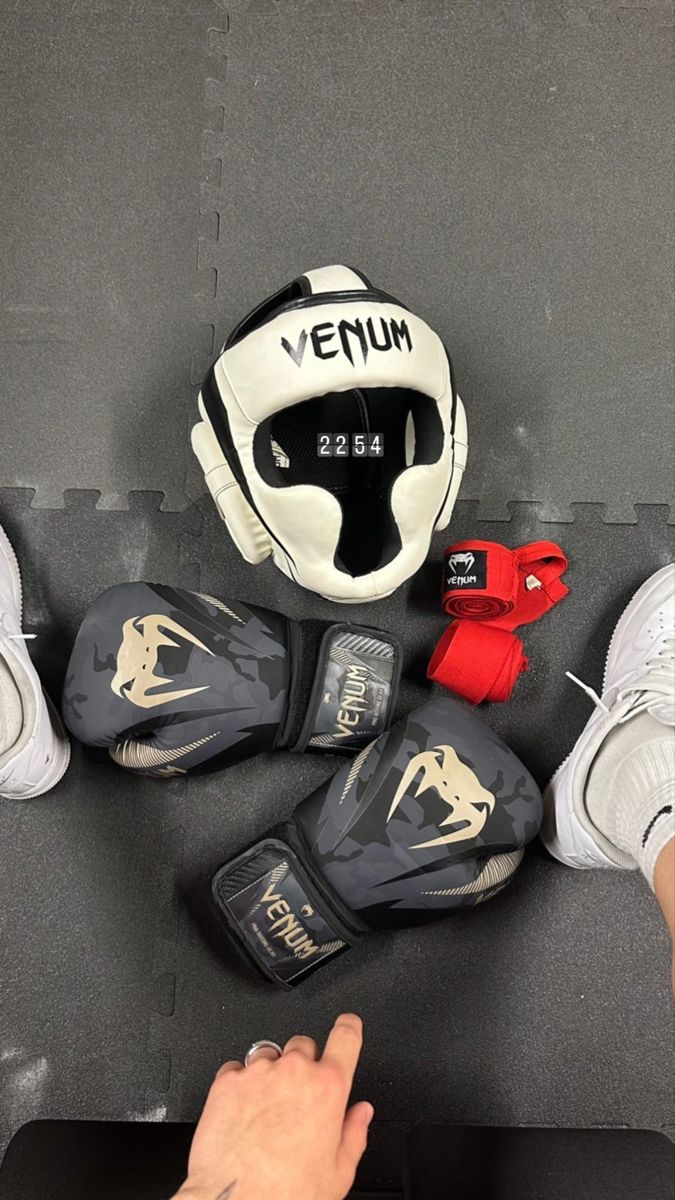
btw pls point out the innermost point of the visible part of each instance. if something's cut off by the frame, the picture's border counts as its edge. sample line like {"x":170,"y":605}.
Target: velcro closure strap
{"x":276,"y":915}
{"x":350,"y":698}
{"x":478,"y":662}
{"x":540,"y":565}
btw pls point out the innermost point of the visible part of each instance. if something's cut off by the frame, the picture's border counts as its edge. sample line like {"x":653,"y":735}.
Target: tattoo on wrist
{"x":229,"y":1190}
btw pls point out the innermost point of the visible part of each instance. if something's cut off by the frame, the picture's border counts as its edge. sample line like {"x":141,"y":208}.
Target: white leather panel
{"x":265,"y":374}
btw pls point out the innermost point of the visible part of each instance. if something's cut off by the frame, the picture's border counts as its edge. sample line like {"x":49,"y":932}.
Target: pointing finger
{"x":343,"y":1046}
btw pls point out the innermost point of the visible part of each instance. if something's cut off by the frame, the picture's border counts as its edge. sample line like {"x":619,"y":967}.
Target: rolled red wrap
{"x":478,"y":662}
{"x":485,"y":581}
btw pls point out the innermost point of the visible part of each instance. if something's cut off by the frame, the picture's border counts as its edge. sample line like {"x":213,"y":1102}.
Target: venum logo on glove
{"x":394,"y":336}
{"x":358,"y":673}
{"x":168,"y":679}
{"x":285,"y":926}
{"x":138,"y":657}
{"x":443,"y":771}
{"x":440,"y":779}
{"x":352,"y":700}
{"x":285,"y":930}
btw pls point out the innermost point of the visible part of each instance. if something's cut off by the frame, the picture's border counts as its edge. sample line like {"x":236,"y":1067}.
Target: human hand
{"x":281,"y":1130}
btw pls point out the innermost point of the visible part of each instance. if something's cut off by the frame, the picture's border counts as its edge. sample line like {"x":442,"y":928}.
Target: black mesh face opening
{"x":286,"y":451}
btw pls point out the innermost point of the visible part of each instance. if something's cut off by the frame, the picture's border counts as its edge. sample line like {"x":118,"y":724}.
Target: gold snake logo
{"x":138,"y":655}
{"x":469,"y":802}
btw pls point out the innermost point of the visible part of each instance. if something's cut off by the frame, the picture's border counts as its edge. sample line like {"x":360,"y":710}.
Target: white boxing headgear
{"x":332,"y":437}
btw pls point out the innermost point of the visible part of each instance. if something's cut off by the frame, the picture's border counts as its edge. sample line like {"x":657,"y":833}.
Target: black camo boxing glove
{"x":431,"y":817}
{"x":168,"y":680}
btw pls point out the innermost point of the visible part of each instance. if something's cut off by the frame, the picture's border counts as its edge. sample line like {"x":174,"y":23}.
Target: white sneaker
{"x":34,"y":749}
{"x":639,"y":677}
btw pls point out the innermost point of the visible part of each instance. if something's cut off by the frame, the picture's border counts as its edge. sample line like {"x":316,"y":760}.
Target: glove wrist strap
{"x":276,"y":913}
{"x":343,"y":685}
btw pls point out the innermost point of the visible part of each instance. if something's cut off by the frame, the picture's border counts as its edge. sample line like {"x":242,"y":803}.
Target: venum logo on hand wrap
{"x":461,"y":563}
{"x":360,"y":336}
{"x":466,"y":569}
{"x":469,"y":802}
{"x":138,"y":657}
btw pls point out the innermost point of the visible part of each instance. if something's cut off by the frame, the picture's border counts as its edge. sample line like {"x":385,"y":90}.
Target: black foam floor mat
{"x":505,"y":169}
{"x":86,"y":879}
{"x":103,"y":114}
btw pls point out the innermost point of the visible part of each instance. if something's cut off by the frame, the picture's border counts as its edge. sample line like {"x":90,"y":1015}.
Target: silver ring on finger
{"x":259,"y":1047}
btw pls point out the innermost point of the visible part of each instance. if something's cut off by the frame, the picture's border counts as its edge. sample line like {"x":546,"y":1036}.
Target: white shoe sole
{"x":561,"y":827}
{"x":61,"y":760}
{"x":7,"y":549}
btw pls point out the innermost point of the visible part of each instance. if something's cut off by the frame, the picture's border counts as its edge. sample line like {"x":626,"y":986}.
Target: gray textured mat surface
{"x":86,"y":880}
{"x":505,"y":168}
{"x":99,"y":193}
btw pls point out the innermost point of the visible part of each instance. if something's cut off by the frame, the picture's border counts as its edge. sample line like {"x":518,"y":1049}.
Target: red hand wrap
{"x":485,"y":581}
{"x":479,"y":662}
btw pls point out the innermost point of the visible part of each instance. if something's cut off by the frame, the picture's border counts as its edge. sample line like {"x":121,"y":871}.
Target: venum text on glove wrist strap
{"x":343,"y":686}
{"x":276,"y":914}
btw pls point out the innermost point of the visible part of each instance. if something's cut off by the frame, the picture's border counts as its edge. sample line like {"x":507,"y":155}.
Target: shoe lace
{"x":21,"y":637}
{"x":639,"y":694}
